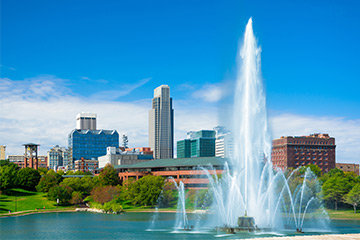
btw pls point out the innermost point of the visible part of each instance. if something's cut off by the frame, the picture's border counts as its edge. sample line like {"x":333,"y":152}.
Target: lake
{"x":83,"y":225}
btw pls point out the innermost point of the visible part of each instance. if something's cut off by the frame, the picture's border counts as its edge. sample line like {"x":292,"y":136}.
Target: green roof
{"x":177,"y":162}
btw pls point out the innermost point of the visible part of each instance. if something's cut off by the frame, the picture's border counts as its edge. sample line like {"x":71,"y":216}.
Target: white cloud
{"x":123,"y":91}
{"x":345,"y":131}
{"x":45,"y":114}
{"x":210,"y":93}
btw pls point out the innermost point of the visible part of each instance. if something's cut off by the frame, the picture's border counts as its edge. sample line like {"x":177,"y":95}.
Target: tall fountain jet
{"x":246,"y":190}
{"x":250,"y":127}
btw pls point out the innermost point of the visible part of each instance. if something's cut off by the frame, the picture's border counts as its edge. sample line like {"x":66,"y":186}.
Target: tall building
{"x":224,"y":144}
{"x":86,"y":121}
{"x":58,"y":156}
{"x":317,"y":149}
{"x":198,"y":144}
{"x":161,"y":123}
{"x":2,"y":152}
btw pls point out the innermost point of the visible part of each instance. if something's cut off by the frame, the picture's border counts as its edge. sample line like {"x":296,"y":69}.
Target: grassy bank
{"x":19,"y":200}
{"x":344,"y":214}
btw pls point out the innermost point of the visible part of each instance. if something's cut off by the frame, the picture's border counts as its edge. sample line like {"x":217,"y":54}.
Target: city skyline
{"x":52,"y":70}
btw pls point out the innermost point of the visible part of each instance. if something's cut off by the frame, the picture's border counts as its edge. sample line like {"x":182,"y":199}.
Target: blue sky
{"x":118,"y":51}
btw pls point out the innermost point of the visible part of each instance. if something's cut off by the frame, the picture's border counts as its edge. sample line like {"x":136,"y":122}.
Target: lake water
{"x":82,"y":225}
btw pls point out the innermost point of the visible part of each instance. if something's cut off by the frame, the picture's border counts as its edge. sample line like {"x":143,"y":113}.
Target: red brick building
{"x":317,"y":149}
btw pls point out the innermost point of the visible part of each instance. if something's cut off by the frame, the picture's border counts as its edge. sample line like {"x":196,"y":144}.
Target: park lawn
{"x":22,"y":200}
{"x":344,"y":214}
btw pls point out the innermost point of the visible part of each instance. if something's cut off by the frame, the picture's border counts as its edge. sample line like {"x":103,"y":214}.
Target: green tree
{"x":50,"y":179}
{"x":8,"y":175}
{"x":4,"y":162}
{"x":28,"y":178}
{"x":42,"y":170}
{"x":168,"y":195}
{"x":314,"y":168}
{"x":108,"y":176}
{"x":335,"y":188}
{"x":76,"y":198}
{"x":61,"y":193}
{"x":83,"y":185}
{"x":353,"y":197}
{"x":146,"y":191}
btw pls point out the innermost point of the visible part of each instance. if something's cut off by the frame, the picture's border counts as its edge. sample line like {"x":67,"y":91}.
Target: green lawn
{"x":344,"y":214}
{"x":22,"y":200}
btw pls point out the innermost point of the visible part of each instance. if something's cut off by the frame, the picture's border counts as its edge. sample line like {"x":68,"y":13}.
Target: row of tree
{"x":106,"y":191}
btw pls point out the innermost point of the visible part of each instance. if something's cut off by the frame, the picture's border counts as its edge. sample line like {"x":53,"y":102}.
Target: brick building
{"x":317,"y":149}
{"x":349,"y":167}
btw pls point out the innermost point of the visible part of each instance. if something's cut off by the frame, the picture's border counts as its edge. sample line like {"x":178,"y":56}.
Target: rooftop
{"x":177,"y":162}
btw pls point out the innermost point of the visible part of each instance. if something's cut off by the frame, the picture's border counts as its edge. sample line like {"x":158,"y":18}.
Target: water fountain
{"x":247,"y":196}
{"x":251,"y":195}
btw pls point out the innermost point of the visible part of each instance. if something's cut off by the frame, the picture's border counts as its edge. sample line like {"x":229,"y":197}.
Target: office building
{"x":2,"y":152}
{"x":197,"y":144}
{"x":91,"y":144}
{"x":86,"y":121}
{"x":58,"y":157}
{"x":317,"y":149}
{"x":117,"y":156}
{"x":161,"y":124}
{"x":348,"y":167}
{"x":224,"y":143}
{"x":87,"y":142}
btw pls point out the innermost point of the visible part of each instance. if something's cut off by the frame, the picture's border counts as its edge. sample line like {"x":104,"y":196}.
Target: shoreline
{"x":29,"y":212}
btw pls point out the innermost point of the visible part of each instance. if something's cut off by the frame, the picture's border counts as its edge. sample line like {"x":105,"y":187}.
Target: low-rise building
{"x":86,"y":165}
{"x":19,"y":160}
{"x":120,"y":156}
{"x":348,"y":167}
{"x":187,"y":170}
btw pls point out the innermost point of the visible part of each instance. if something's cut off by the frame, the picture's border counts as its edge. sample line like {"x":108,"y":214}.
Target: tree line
{"x":105,"y":191}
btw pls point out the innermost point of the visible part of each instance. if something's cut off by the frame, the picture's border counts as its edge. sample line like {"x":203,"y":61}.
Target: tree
{"x":61,"y":193}
{"x":108,"y":176}
{"x":8,"y":174}
{"x":103,"y":194}
{"x":42,"y":170}
{"x":314,"y":168}
{"x":50,"y":179}
{"x":146,"y":191}
{"x":353,"y":197}
{"x":76,"y":197}
{"x":83,"y":185}
{"x":28,"y":178}
{"x":334,"y":188}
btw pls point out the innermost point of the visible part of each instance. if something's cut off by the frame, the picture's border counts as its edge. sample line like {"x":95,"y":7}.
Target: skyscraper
{"x":161,"y":123}
{"x":86,"y":121}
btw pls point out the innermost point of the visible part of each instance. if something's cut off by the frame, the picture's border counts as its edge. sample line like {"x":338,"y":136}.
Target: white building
{"x":58,"y":156}
{"x":161,"y":123}
{"x":115,"y":156}
{"x":224,"y":143}
{"x":86,"y":121}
